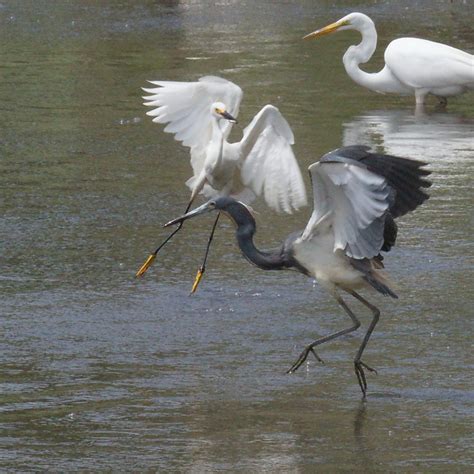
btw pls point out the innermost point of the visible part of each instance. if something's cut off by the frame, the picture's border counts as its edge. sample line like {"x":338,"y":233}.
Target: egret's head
{"x":353,"y":21}
{"x":218,"y":109}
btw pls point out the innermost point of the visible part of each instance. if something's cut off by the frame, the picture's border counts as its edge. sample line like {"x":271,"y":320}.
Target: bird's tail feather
{"x":373,"y":275}
{"x":378,"y":281}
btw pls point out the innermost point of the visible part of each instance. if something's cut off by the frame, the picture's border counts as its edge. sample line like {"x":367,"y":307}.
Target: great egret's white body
{"x":200,"y":114}
{"x":412,"y":65}
{"x":357,"y":197}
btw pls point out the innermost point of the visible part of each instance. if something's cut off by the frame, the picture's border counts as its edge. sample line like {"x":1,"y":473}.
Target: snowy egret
{"x":201,"y":114}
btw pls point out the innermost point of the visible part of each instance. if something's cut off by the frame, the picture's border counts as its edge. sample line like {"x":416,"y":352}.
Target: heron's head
{"x":236,"y":210}
{"x":353,"y":21}
{"x":219,"y":110}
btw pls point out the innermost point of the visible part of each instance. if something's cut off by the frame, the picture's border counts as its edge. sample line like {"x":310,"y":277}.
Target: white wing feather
{"x":422,"y":63}
{"x":269,"y":167}
{"x":354,"y":201}
{"x":185,"y":106}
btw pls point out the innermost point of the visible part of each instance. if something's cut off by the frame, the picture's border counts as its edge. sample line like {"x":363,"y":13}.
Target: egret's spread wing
{"x":185,"y":106}
{"x":269,"y":167}
{"x":354,"y":189}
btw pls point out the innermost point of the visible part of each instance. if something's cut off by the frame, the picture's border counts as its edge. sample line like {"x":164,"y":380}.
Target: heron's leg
{"x":202,"y":268}
{"x":358,"y":364}
{"x":152,"y":256}
{"x":310,"y":348}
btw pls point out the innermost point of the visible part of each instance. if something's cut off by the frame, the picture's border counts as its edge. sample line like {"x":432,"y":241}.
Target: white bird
{"x":200,"y":115}
{"x":412,"y":65}
{"x":357,"y":195}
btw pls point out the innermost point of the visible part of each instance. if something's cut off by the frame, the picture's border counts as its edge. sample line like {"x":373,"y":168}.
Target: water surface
{"x":101,"y":371}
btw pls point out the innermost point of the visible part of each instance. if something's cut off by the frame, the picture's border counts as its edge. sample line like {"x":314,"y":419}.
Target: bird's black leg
{"x":310,"y":348}
{"x":152,"y":256}
{"x":202,"y":268}
{"x":359,"y":366}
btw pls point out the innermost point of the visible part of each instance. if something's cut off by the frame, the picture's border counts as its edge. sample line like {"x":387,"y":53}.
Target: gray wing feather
{"x":354,"y":201}
{"x":407,"y":178}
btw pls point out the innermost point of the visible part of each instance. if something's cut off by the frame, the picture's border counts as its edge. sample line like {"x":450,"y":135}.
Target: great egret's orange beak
{"x":327,"y":30}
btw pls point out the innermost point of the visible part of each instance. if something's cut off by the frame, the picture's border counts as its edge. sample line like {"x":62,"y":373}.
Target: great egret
{"x":412,"y":65}
{"x":357,"y":195}
{"x":201,"y":114}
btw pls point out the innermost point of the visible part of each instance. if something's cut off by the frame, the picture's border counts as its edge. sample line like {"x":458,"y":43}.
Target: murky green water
{"x":100,"y":371}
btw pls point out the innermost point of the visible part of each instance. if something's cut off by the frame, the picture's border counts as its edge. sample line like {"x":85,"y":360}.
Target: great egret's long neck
{"x":246,"y":228}
{"x":382,"y":81}
{"x":361,"y":53}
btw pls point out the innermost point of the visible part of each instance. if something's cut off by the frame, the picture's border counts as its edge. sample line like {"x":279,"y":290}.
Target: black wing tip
{"x":363,"y":153}
{"x":407,"y":176}
{"x":353,"y":152}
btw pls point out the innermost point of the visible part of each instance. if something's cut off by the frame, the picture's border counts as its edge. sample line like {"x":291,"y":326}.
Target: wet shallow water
{"x":101,"y":371}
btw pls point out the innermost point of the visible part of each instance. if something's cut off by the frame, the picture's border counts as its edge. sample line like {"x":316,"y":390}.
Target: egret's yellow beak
{"x":327,"y":30}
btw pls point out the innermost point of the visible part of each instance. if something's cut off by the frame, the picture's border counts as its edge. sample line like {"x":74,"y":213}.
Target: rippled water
{"x":101,"y":371}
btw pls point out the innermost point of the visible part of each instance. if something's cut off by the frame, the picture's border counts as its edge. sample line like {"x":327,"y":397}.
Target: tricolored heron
{"x":412,"y":65}
{"x":201,"y":114}
{"x":357,"y":197}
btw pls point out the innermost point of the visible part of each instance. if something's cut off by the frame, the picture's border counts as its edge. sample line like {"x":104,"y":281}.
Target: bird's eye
{"x":212,"y":204}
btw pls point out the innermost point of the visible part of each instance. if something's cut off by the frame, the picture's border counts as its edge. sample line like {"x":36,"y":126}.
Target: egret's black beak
{"x":207,"y":207}
{"x":228,"y":117}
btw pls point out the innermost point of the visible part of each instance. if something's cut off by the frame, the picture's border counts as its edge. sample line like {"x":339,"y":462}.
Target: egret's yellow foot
{"x":197,"y":280}
{"x":146,"y":265}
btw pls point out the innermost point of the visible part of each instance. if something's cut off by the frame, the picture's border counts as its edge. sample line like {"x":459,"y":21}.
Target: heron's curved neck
{"x":266,"y":260}
{"x":246,"y":228}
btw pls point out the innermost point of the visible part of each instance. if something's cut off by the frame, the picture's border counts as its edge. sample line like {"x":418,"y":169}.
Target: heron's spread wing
{"x":269,"y":167}
{"x":185,"y":106}
{"x":353,"y":192}
{"x":353,"y":200}
{"x":406,"y":177}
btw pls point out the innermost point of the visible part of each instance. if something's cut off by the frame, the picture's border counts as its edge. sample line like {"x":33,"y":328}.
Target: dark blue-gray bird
{"x":357,"y":197}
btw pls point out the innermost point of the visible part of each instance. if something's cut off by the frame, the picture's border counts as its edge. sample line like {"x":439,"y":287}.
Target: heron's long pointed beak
{"x":228,"y":117}
{"x":327,"y":30}
{"x":207,"y":207}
